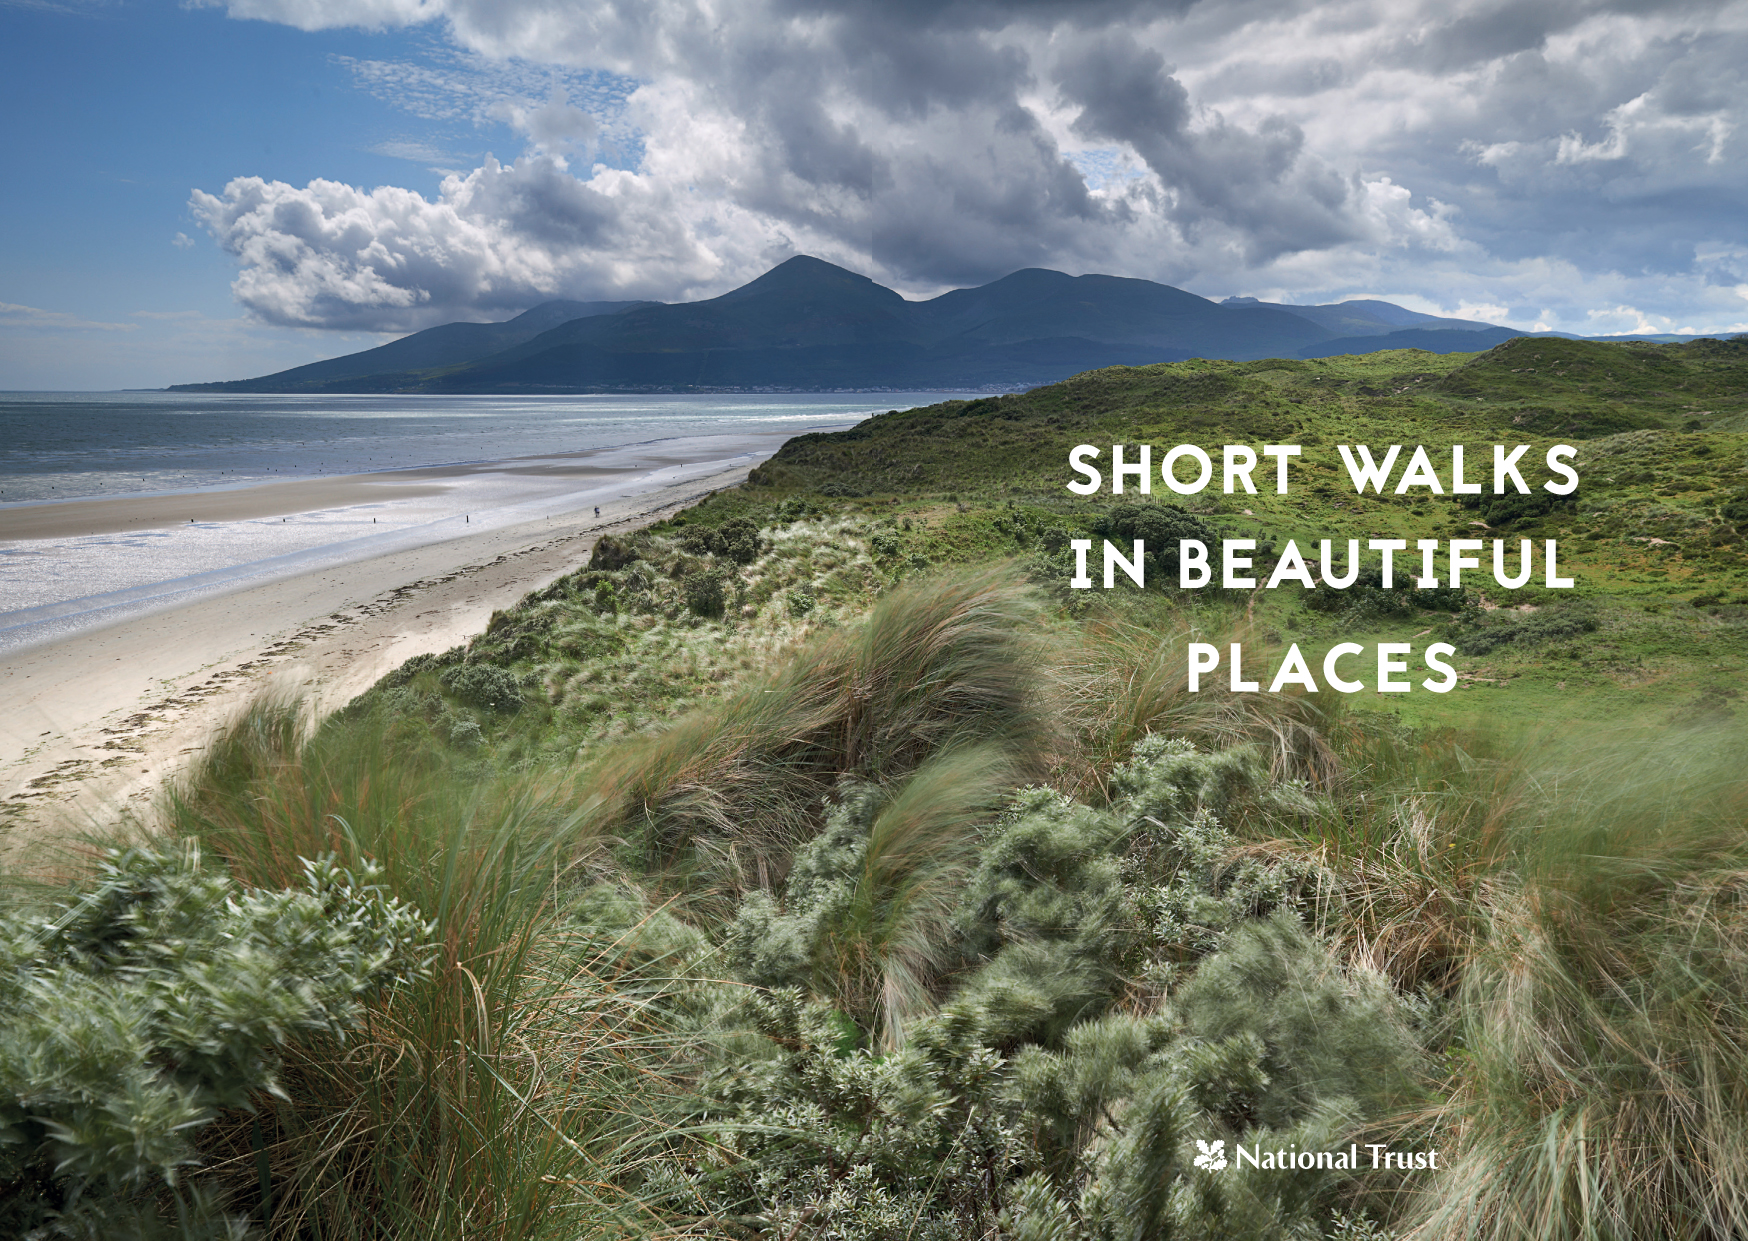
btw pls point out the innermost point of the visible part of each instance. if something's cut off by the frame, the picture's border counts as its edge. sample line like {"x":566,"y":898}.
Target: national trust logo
{"x":1212,"y":1156}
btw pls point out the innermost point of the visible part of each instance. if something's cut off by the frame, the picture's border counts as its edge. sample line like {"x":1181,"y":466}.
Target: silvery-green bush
{"x":142,"y":1007}
{"x":1115,"y":984}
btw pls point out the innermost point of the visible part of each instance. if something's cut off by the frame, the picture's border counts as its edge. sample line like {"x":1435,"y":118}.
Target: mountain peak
{"x":805,"y":274}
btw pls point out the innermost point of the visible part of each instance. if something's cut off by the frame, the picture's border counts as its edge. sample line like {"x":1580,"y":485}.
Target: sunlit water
{"x":61,"y":445}
{"x":56,"y":447}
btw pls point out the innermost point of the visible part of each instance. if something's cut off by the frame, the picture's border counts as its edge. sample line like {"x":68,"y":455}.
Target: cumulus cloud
{"x":1451,"y":151}
{"x":499,"y":239}
{"x":555,"y":127}
{"x":1259,"y":182}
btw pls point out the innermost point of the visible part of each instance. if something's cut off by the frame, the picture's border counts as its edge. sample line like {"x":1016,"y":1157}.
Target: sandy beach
{"x":97,"y":722}
{"x":158,"y":511}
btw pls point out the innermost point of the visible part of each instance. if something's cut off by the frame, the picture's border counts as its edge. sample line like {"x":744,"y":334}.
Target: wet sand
{"x":95,"y":724}
{"x":72,"y":518}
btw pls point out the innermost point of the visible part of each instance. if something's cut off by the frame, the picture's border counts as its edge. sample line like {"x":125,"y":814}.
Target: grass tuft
{"x":1603,"y":1081}
{"x":939,"y":662}
{"x":472,"y":1104}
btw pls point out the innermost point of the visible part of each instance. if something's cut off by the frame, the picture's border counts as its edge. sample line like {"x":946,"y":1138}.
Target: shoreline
{"x":101,"y":721}
{"x":79,"y":565}
{"x":86,"y":515}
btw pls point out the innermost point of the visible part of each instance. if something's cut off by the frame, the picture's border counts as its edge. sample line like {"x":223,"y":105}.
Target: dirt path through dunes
{"x":97,"y":723}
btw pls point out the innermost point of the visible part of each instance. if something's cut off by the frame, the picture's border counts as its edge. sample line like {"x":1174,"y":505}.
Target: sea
{"x":508,"y":456}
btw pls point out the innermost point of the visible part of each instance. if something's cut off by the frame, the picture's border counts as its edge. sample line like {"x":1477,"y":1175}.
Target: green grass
{"x":735,"y":786}
{"x":1653,"y":537}
{"x":1536,"y":947}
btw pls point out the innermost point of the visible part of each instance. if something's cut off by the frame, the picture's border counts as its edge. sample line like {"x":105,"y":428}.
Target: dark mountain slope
{"x":1035,"y":304}
{"x":874,"y":365}
{"x":1360,"y":316}
{"x":450,"y":344}
{"x":800,"y":303}
{"x":1433,"y":340}
{"x":809,"y":325}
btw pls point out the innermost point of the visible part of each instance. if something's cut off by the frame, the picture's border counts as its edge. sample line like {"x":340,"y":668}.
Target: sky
{"x":224,"y":188}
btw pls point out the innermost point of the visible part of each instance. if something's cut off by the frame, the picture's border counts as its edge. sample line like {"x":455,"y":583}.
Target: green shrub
{"x":797,"y":508}
{"x":153,"y":1001}
{"x":1367,"y":599}
{"x":613,"y":553}
{"x":489,"y":686}
{"x":1481,"y":634}
{"x":1500,"y":511}
{"x":735,"y":540}
{"x":606,"y":597}
{"x":1161,"y":526}
{"x":1034,"y":1099}
{"x":868,"y":904}
{"x":704,"y":593}
{"x":964,"y":1135}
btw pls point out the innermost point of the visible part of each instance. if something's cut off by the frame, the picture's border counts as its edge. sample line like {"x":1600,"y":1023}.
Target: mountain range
{"x":808,"y":325}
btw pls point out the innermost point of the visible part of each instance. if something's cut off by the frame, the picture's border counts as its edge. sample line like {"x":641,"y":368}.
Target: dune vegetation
{"x":818,"y":865}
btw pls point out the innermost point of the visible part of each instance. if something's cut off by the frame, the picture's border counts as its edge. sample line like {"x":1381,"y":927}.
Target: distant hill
{"x":808,"y":325}
{"x":1535,"y":389}
{"x":1363,"y":317}
{"x":1433,"y":340}
{"x":447,"y":345}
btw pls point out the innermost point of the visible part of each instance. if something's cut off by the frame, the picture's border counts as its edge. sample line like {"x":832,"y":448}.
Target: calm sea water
{"x":56,"y":447}
{"x":63,"y":445}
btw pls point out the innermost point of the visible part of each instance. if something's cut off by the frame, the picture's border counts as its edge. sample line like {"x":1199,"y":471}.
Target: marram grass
{"x":937,"y":663}
{"x":499,"y":1098}
{"x":1602,"y":1081}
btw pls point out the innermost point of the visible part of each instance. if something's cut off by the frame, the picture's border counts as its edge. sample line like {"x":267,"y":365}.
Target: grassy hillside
{"x":1653,"y":536}
{"x":1527,"y":390}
